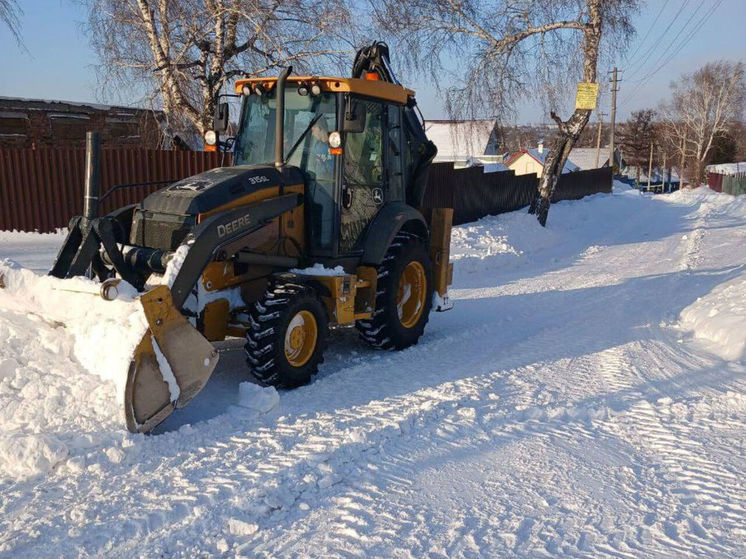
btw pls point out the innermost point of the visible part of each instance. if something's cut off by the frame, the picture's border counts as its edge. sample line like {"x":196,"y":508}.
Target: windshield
{"x":308,"y":121}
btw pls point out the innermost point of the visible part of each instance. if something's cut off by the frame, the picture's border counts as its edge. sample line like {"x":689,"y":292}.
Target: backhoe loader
{"x":316,"y":225}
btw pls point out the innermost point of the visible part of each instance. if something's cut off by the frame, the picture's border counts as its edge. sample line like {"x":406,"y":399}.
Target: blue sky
{"x":59,"y":64}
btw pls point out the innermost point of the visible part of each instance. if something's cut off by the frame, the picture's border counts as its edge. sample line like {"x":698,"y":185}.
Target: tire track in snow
{"x":700,"y":490}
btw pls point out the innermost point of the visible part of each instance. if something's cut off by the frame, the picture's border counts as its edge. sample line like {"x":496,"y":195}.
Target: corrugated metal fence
{"x":41,"y":189}
{"x":474,"y":194}
{"x":729,"y":184}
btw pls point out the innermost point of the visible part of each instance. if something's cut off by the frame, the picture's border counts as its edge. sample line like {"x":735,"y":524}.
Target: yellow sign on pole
{"x":587,"y":96}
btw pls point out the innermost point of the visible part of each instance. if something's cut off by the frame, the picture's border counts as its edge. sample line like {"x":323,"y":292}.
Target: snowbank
{"x":720,"y":318}
{"x":105,"y":333}
{"x":48,"y":402}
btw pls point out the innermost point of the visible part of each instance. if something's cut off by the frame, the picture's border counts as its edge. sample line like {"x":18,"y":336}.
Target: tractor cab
{"x":348,"y":139}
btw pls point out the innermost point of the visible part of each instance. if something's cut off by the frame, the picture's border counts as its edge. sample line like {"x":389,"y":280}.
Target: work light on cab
{"x":211,"y":138}
{"x":335,"y":139}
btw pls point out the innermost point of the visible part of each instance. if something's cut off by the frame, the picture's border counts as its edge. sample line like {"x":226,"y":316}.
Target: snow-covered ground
{"x":584,"y":398}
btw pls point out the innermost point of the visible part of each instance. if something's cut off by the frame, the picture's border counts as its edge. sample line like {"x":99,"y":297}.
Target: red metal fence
{"x":715,"y":181}
{"x":41,"y":189}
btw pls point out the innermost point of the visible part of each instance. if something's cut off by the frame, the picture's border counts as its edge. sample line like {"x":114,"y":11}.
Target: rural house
{"x":464,"y":142}
{"x":529,"y":161}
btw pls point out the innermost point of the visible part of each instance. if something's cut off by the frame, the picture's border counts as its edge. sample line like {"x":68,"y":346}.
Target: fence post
{"x":92,"y":174}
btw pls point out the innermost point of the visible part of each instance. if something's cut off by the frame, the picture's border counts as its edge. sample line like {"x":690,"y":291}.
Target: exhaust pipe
{"x":280,"y":118}
{"x":92,"y":174}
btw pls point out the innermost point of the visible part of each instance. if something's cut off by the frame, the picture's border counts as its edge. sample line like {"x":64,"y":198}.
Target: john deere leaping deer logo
{"x":377,"y":196}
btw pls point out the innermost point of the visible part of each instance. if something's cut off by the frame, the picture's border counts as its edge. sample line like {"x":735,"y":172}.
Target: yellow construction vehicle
{"x":317,"y":224}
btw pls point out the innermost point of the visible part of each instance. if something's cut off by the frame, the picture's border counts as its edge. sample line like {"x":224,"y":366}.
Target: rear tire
{"x":287,"y":337}
{"x":404,"y":295}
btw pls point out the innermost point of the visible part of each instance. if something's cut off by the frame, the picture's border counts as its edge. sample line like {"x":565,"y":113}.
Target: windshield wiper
{"x":314,"y":120}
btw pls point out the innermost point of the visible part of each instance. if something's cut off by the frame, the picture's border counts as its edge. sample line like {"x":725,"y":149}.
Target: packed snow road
{"x":586,"y":397}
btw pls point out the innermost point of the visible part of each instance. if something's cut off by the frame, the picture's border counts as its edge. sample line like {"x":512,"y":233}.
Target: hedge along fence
{"x":474,"y":194}
{"x":41,"y":189}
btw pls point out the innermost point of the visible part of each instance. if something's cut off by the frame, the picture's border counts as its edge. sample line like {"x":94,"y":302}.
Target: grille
{"x":161,"y":231}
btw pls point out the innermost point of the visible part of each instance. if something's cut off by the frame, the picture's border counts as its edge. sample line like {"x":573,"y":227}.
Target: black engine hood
{"x":211,"y":189}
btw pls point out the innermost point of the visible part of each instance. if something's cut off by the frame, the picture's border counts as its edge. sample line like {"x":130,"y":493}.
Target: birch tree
{"x":703,"y":106}
{"x":183,"y":52}
{"x":505,"y":51}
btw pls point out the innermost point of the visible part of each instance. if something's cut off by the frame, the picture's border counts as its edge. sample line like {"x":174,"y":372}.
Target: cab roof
{"x":370,"y":88}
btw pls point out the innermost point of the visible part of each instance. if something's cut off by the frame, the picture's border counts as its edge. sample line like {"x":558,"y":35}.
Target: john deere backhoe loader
{"x":316,"y":225}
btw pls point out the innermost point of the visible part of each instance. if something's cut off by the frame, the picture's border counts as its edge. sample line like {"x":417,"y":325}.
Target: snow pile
{"x":720,"y":317}
{"x":105,"y":332}
{"x":620,"y":186}
{"x":257,"y":398}
{"x":48,"y":402}
{"x":24,"y":455}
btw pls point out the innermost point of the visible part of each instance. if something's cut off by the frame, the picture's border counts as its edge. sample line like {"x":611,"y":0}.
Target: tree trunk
{"x":554,"y":163}
{"x":569,"y":131}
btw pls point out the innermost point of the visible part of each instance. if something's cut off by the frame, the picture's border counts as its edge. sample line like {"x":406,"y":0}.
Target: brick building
{"x":36,"y":123}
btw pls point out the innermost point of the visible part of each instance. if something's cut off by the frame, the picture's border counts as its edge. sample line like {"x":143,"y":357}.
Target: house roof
{"x":727,"y":168}
{"x":585,"y":158}
{"x":461,"y":139}
{"x":540,"y":157}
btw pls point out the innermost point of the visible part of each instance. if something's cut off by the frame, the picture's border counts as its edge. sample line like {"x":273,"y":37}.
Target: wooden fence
{"x":474,"y":194}
{"x":41,"y":189}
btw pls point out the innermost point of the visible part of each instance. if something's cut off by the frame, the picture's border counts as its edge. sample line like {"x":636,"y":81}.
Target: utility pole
{"x":663,"y":173}
{"x":650,"y":165}
{"x":598,"y":138}
{"x":682,"y":161}
{"x":614,"y":89}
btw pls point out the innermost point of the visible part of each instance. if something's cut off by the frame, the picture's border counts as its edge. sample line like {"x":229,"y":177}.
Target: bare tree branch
{"x":185,"y":51}
{"x":506,"y":51}
{"x":702,"y":108}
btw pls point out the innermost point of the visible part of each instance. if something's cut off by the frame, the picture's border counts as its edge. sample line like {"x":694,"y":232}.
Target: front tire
{"x":404,"y":295}
{"x":287,"y":337}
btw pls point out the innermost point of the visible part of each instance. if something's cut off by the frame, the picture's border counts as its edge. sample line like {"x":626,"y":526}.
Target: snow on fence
{"x":41,"y":189}
{"x":474,"y":194}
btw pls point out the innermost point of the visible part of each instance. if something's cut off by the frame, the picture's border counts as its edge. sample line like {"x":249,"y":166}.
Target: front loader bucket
{"x":171,"y":364}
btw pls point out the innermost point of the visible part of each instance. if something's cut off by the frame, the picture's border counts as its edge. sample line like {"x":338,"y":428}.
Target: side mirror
{"x":220,"y":123}
{"x":355,"y":113}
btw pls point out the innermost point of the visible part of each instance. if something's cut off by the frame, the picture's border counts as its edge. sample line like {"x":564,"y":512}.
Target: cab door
{"x":363,"y":175}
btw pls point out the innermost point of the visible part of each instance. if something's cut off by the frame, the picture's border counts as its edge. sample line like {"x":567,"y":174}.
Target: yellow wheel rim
{"x":410,"y":298}
{"x":300,"y":338}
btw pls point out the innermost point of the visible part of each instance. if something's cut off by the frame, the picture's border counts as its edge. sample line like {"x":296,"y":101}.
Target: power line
{"x":665,"y":51}
{"x":647,"y":33}
{"x":665,"y":31}
{"x":689,"y":37}
{"x":686,"y":39}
